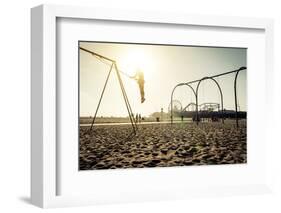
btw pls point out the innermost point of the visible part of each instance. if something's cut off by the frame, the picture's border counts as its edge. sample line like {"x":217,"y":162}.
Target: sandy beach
{"x":162,"y":145}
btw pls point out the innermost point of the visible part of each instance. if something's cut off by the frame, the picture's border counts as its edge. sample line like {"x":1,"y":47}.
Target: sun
{"x":135,"y":60}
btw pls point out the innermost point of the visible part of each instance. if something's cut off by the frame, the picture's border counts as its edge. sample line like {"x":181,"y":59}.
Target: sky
{"x":164,"y":66}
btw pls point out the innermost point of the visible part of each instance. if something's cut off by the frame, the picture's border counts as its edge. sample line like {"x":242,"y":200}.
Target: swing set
{"x":113,"y":67}
{"x":213,"y":78}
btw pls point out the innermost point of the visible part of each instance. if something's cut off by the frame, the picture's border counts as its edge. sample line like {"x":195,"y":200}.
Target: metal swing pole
{"x":235,"y":95}
{"x":125,"y":95}
{"x":101,"y":96}
{"x":129,"y":109}
{"x":106,"y":58}
{"x":128,"y":106}
{"x":212,"y":77}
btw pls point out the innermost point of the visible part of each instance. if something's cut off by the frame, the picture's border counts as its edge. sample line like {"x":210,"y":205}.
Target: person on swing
{"x":139,"y":77}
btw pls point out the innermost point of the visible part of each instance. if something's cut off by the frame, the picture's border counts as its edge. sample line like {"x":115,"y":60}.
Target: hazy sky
{"x":163,"y":68}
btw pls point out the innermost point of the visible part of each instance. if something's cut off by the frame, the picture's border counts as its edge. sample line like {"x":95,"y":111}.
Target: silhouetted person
{"x":139,"y":118}
{"x":139,"y":77}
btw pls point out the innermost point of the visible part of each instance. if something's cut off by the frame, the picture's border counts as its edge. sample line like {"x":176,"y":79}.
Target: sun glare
{"x":134,"y":61}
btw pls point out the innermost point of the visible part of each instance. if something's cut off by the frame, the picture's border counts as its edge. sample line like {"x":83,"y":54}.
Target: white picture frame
{"x":44,"y":83}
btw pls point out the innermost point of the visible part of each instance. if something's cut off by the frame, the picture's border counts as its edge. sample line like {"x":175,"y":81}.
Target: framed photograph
{"x":129,"y":106}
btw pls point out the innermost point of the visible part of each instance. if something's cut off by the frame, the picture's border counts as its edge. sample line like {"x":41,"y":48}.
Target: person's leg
{"x":141,"y":86}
